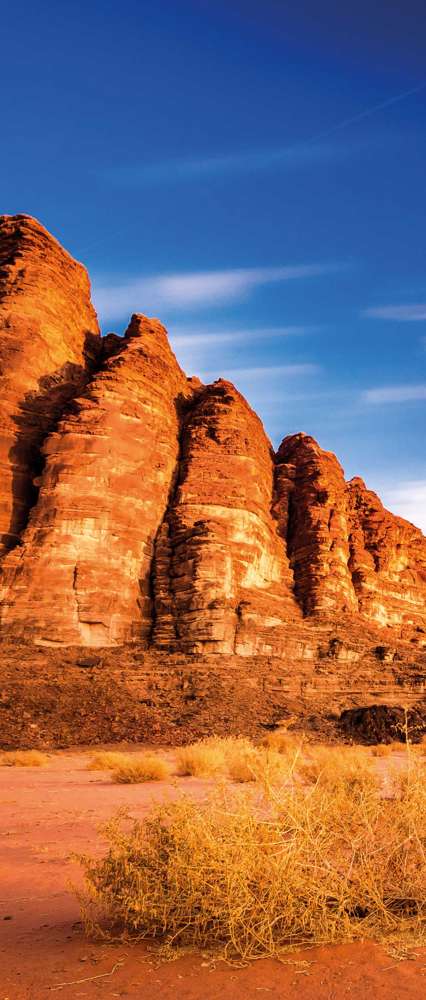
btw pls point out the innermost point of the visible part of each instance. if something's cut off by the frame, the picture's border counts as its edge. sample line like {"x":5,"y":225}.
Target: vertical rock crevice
{"x":102,"y":497}
{"x":220,"y":581}
{"x":48,"y":339}
{"x":312,"y":514}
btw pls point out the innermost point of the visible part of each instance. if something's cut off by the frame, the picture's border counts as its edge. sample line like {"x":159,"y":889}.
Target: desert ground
{"x":49,"y":813}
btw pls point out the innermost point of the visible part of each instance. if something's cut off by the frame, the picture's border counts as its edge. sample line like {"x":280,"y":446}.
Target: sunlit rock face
{"x":313,"y":516}
{"x":82,"y":572}
{"x":48,"y":336}
{"x":137,"y":505}
{"x":222,"y":582}
{"x":348,"y":554}
{"x":387,"y":562}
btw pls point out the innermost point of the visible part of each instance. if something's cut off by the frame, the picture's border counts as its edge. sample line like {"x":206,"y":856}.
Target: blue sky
{"x":255,"y":176}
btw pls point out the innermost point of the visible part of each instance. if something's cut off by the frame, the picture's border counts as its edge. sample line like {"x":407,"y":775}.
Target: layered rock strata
{"x":222,"y":582}
{"x":82,"y":572}
{"x":348,"y":554}
{"x":137,"y":505}
{"x":387,"y":562}
{"x":48,"y":334}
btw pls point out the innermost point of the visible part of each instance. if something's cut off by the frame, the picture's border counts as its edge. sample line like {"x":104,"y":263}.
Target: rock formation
{"x":222,"y":582}
{"x":82,"y":572}
{"x":139,"y":506}
{"x":48,"y":334}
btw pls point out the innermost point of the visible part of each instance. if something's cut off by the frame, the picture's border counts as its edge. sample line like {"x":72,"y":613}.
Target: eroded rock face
{"x":221,"y":577}
{"x":82,"y":573}
{"x":48,"y":335}
{"x":387,"y":562}
{"x":348,"y":554}
{"x":139,"y":505}
{"x":311,"y":507}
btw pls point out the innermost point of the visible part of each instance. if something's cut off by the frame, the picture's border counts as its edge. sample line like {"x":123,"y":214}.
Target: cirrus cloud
{"x":395,"y":394}
{"x":403,"y":313}
{"x":115,"y":299}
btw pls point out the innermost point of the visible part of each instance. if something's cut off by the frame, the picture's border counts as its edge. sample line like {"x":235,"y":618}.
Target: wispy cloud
{"x":250,"y":161}
{"x":408,"y":499}
{"x":312,"y":150}
{"x":257,"y":372}
{"x":182,"y":336}
{"x":266,"y":387}
{"x":403,"y":313}
{"x":395,"y":394}
{"x":193,"y":290}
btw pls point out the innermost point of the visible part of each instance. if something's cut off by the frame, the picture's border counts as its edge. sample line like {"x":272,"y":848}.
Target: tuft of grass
{"x":143,"y":767}
{"x":107,"y":760}
{"x":284,"y":742}
{"x":341,"y":770}
{"x":253,"y":875}
{"x":23,"y":758}
{"x":245,"y":763}
{"x":201,"y":760}
{"x":382,"y":750}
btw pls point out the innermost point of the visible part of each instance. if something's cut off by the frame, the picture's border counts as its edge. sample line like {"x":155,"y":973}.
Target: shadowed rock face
{"x":221,"y":575}
{"x":48,"y":335}
{"x":82,"y":572}
{"x":139,"y":505}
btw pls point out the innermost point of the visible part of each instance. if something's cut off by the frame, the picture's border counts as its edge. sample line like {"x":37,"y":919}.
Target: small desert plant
{"x":245,"y":762}
{"x":284,"y":742}
{"x":201,"y":760}
{"x":143,"y":767}
{"x":107,"y":760}
{"x":382,"y":750}
{"x":342,"y":769}
{"x":253,"y":875}
{"x":23,"y":758}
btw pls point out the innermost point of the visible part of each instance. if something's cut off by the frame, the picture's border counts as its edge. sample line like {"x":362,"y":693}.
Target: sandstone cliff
{"x":48,"y":334}
{"x":222,"y":582}
{"x":139,"y":506}
{"x":82,"y":572}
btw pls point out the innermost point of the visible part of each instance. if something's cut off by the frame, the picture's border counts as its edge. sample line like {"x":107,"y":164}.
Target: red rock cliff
{"x":48,"y":332}
{"x":221,"y":577}
{"x":82,"y":572}
{"x":138,"y":505}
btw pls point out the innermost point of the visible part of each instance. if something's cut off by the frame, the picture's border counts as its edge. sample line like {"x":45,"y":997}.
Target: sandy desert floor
{"x":48,"y":813}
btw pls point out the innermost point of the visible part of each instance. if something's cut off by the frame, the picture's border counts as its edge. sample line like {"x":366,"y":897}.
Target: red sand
{"x":48,"y":813}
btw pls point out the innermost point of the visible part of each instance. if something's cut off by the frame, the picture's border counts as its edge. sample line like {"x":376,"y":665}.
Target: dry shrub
{"x":24,"y":758}
{"x":382,"y":750}
{"x":339,"y":769}
{"x":245,"y":762}
{"x":284,"y":742}
{"x":202,"y":759}
{"x":234,"y":757}
{"x":305,"y":865}
{"x":107,"y":760}
{"x":143,"y":767}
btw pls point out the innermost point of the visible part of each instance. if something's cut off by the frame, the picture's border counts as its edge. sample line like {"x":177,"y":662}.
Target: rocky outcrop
{"x":387,"y":563}
{"x":311,"y":508}
{"x":348,"y":554}
{"x":222,"y":582}
{"x":82,"y":572}
{"x":48,"y":335}
{"x":137,"y":505}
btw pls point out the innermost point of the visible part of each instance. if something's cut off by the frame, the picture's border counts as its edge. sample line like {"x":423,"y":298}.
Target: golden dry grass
{"x":234,"y":757}
{"x":200,"y":760}
{"x":107,"y":760}
{"x":23,"y":758}
{"x":252,"y":875}
{"x":382,"y":750}
{"x":245,"y":762}
{"x":284,"y":742}
{"x":143,"y":767}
